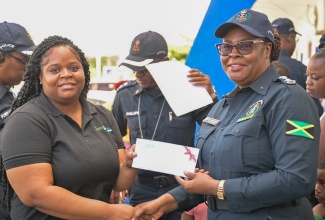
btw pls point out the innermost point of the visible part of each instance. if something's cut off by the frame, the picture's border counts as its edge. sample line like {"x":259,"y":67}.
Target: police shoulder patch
{"x":127,"y":84}
{"x":300,"y":128}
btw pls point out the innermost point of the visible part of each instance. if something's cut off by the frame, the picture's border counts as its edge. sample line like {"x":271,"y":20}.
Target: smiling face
{"x":315,"y":83}
{"x":62,"y":77}
{"x":245,"y":69}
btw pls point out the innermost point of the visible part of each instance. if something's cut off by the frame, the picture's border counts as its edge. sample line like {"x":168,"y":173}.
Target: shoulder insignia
{"x":211,"y":121}
{"x":127,"y":84}
{"x":286,"y":80}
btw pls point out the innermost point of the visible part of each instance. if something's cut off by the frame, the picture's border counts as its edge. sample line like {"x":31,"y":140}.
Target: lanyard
{"x":157,"y":119}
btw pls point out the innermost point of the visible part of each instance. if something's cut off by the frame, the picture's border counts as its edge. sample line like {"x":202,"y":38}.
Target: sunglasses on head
{"x":243,"y":47}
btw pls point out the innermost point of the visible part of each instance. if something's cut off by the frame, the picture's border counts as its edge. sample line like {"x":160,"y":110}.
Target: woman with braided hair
{"x":60,"y":152}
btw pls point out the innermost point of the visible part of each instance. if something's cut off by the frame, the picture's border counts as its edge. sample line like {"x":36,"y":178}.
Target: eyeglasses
{"x":243,"y":47}
{"x":144,"y":72}
{"x":20,"y":60}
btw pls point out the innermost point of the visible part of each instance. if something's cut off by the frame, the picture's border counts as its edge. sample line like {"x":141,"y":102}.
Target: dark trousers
{"x":140,"y":193}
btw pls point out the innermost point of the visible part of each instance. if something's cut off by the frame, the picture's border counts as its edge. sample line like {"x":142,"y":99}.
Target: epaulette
{"x":127,"y":84}
{"x":287,"y":81}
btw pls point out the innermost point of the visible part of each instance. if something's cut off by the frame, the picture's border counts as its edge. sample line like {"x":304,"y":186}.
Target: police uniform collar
{"x":138,"y":90}
{"x":284,"y":53}
{"x":3,"y":90}
{"x":262,"y":84}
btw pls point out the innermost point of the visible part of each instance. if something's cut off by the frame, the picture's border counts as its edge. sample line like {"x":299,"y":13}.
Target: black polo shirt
{"x":84,"y":160}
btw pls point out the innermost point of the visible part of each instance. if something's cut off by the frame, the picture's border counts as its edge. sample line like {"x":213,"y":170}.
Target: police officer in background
{"x":16,"y":45}
{"x":260,"y":145}
{"x":288,"y":36}
{"x":140,"y":106}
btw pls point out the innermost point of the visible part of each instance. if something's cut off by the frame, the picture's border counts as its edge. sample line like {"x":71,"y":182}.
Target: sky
{"x":107,"y":27}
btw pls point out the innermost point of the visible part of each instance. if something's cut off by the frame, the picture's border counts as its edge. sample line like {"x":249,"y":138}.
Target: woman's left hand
{"x":194,"y":181}
{"x":197,"y":78}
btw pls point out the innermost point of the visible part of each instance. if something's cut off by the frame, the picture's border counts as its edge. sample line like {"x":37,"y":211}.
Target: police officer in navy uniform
{"x":16,"y":45}
{"x":140,"y":106}
{"x":259,"y":143}
{"x":288,"y":36}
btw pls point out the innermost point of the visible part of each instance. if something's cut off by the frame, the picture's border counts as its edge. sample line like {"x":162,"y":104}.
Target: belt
{"x":214,"y":203}
{"x":157,"y":181}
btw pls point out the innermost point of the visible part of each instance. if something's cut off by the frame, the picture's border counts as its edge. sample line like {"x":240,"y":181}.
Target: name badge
{"x":5,"y":114}
{"x":211,"y":121}
{"x":132,"y":113}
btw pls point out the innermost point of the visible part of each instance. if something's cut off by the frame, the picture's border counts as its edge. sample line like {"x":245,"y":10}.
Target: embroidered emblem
{"x":251,"y":111}
{"x":242,"y":16}
{"x":299,"y":128}
{"x":136,"y":47}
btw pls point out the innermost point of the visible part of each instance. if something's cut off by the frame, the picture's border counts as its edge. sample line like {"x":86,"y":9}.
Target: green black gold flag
{"x":299,"y":128}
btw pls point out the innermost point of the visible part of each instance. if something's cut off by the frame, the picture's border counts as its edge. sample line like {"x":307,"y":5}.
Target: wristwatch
{"x":214,"y":94}
{"x":220,"y":193}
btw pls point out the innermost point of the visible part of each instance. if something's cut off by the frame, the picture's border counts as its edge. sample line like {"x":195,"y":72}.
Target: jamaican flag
{"x":299,"y":128}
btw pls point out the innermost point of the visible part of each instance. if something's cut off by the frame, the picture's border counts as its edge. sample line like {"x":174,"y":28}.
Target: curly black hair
{"x":32,"y":87}
{"x":322,"y":42}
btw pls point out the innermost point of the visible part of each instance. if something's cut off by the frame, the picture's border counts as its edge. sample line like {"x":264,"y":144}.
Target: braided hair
{"x":275,"y":52}
{"x":32,"y":88}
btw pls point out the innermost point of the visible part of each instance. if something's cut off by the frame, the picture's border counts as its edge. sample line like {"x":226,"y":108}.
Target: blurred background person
{"x":16,"y":46}
{"x":281,"y":68}
{"x":288,"y":35}
{"x":59,"y":151}
{"x":319,"y":209}
{"x":315,"y":86}
{"x":140,"y":106}
{"x":321,"y":42}
{"x":260,"y":165}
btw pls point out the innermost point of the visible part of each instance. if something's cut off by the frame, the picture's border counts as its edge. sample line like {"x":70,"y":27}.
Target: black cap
{"x":145,"y":47}
{"x":251,"y":21}
{"x":14,"y":37}
{"x":284,"y":26}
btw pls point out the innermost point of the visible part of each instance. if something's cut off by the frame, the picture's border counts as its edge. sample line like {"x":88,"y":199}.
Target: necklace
{"x":154,"y":132}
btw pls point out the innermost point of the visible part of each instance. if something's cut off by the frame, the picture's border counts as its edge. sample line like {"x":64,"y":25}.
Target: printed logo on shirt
{"x":103,"y":128}
{"x":299,"y":128}
{"x":251,"y":111}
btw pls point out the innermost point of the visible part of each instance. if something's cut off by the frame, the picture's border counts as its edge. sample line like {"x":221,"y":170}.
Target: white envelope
{"x":164,"y":157}
{"x":181,"y":95}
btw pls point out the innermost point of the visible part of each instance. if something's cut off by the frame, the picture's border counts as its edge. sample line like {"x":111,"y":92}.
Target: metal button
{"x":237,"y":130}
{"x":221,"y":129}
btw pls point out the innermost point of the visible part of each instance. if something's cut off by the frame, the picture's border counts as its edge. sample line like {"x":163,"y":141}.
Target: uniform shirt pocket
{"x":246,"y":144}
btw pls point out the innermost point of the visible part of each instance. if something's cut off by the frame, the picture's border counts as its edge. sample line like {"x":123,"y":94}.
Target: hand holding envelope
{"x":165,"y":157}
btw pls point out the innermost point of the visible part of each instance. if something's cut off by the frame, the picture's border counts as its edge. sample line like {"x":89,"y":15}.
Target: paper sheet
{"x":164,"y":157}
{"x":180,"y":94}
